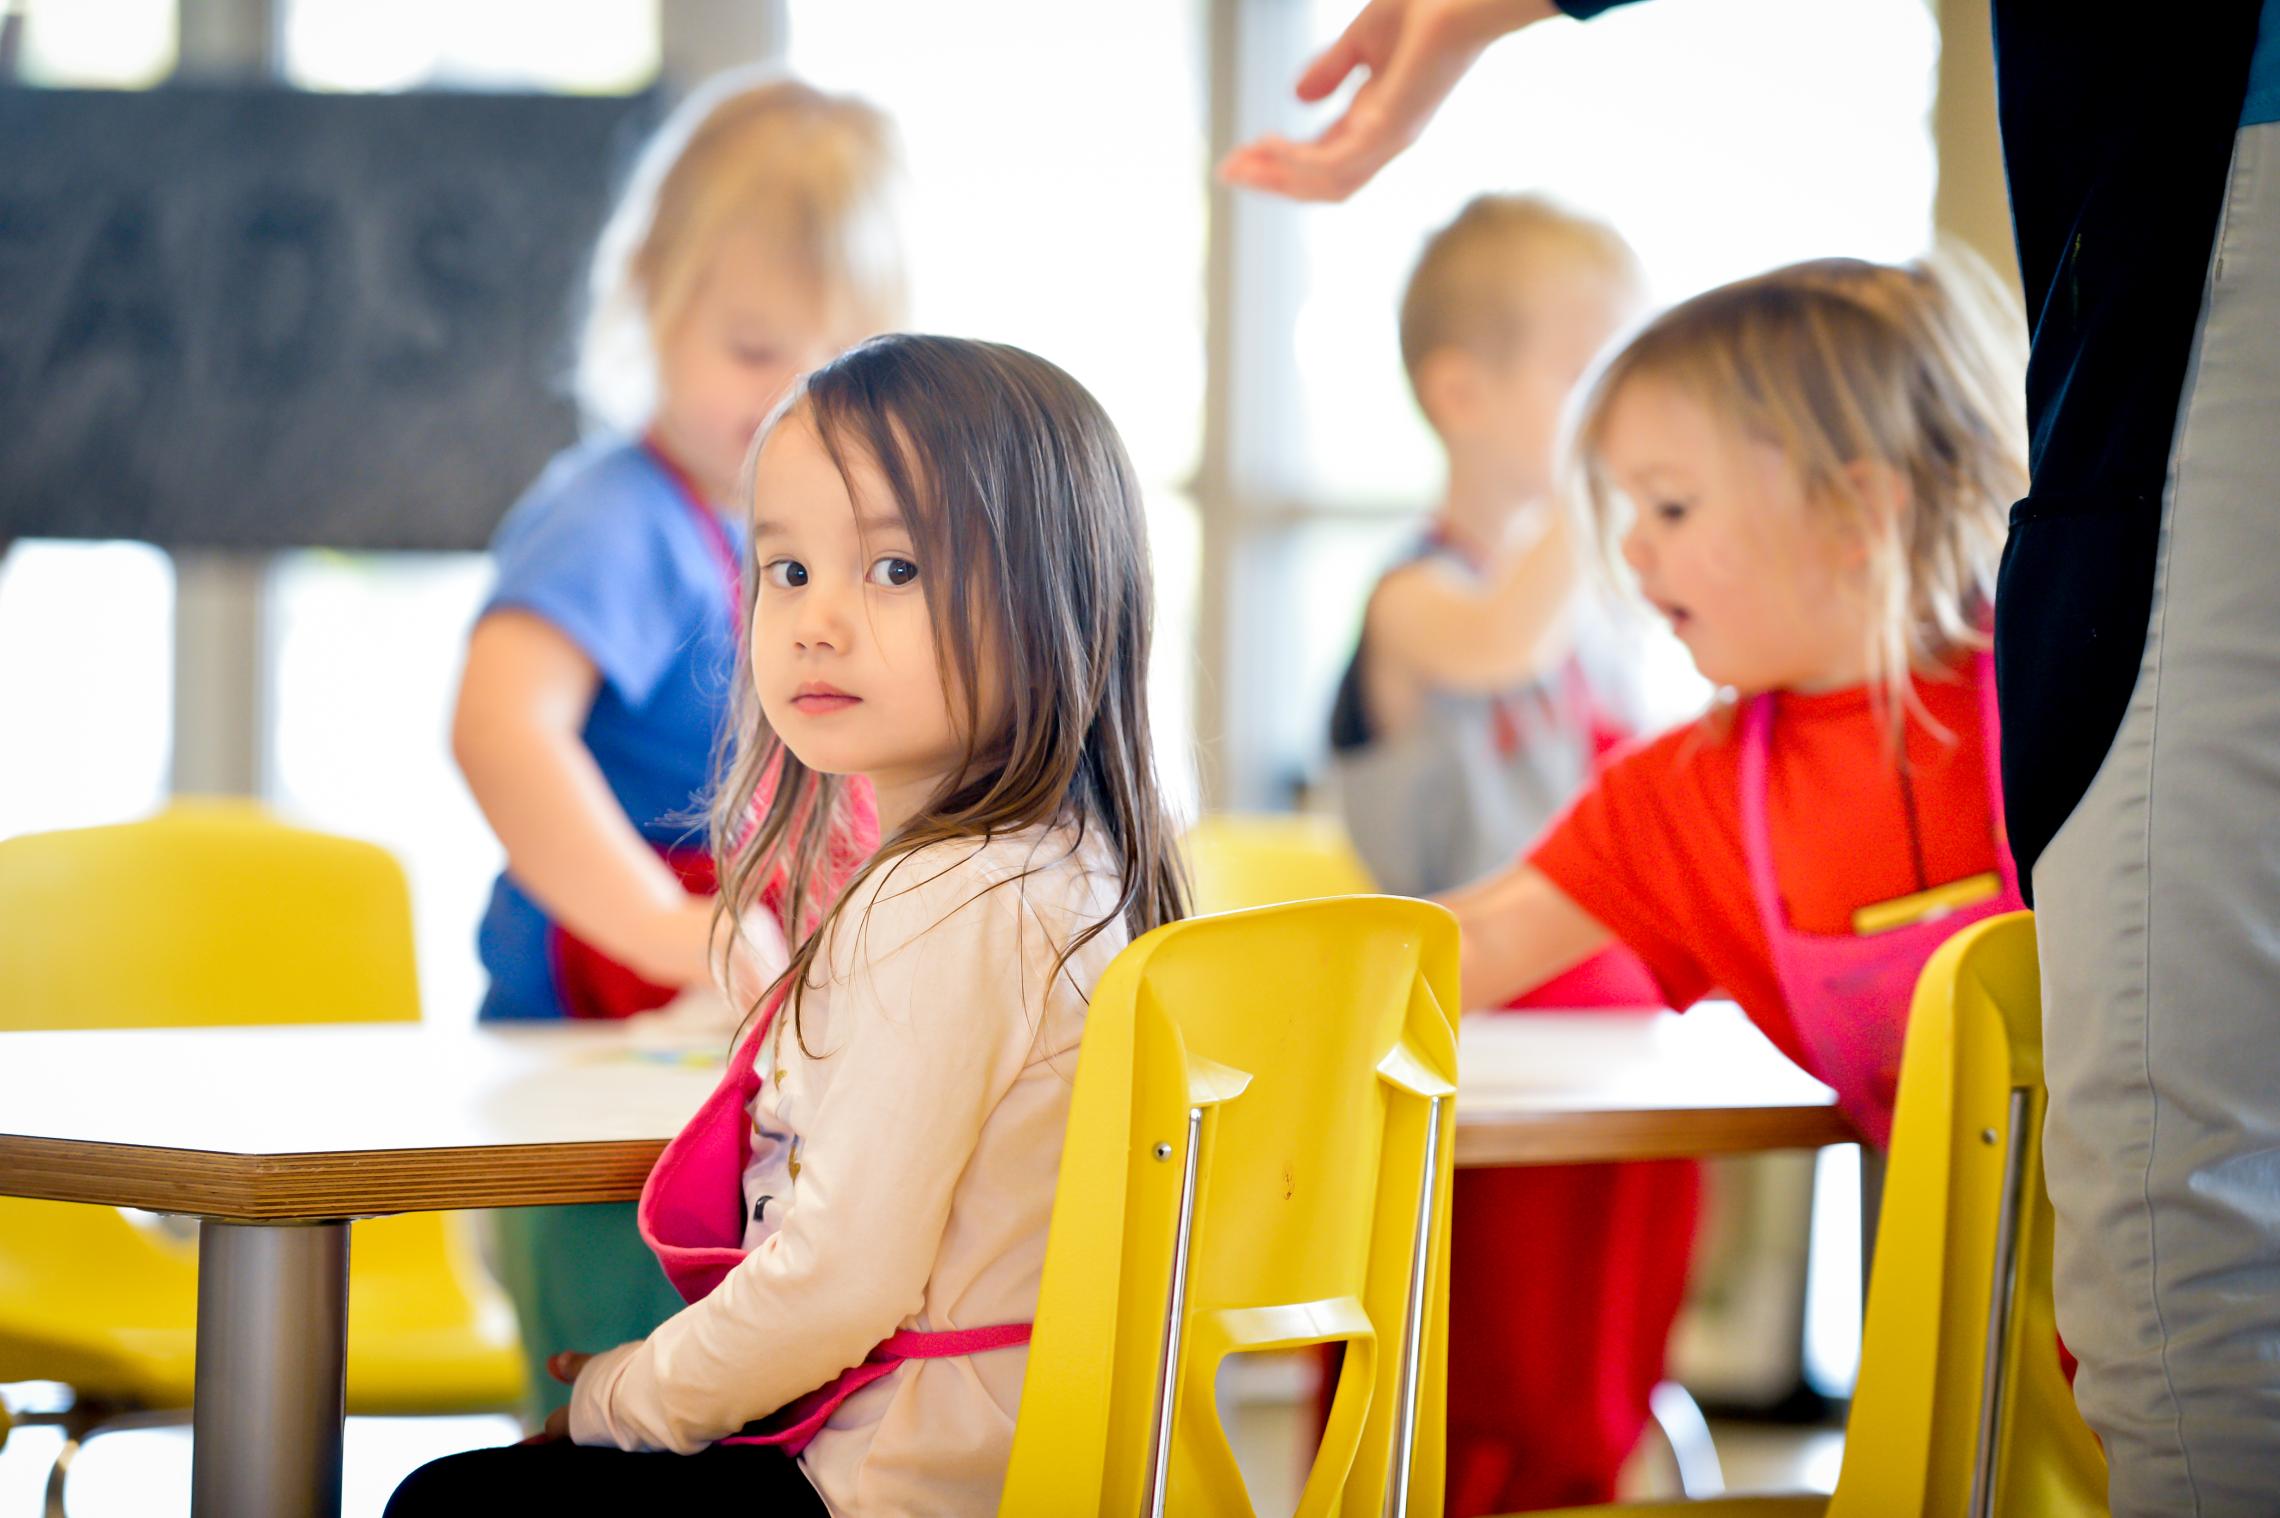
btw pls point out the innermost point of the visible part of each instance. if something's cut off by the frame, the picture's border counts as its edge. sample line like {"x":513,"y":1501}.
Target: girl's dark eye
{"x":785,"y":574}
{"x":893,"y":573}
{"x":1671,"y":511}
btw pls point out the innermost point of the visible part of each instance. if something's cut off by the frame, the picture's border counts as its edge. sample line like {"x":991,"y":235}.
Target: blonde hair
{"x":819,"y":172}
{"x":1466,"y":289}
{"x":1917,"y":367}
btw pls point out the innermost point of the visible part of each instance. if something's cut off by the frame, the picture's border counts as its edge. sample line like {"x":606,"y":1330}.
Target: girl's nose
{"x":822,"y":621}
{"x":1634,"y":547}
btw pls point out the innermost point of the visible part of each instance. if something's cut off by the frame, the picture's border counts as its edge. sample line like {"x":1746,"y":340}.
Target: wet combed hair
{"x":1026,"y":514}
{"x":819,"y":174}
{"x":1917,"y":367}
{"x":1468,"y":287}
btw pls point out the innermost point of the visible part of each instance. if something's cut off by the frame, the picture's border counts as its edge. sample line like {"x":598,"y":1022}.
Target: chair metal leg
{"x":78,"y":1424}
{"x":1413,"y":1331}
{"x":60,"y":1472}
{"x":1175,"y":1324}
{"x":2013,"y":1202}
{"x":1687,"y":1432}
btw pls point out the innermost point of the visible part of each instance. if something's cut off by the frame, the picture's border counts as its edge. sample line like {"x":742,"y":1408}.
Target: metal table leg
{"x":272,"y":1354}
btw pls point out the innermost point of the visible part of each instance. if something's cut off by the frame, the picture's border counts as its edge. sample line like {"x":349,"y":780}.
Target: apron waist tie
{"x":792,"y":1427}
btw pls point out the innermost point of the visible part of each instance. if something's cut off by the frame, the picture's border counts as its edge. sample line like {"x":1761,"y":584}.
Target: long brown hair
{"x":1015,"y":488}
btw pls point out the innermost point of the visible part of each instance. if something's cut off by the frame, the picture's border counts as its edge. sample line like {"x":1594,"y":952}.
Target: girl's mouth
{"x":818,"y":699}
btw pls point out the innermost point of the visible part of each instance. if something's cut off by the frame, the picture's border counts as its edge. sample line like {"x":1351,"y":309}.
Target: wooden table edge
{"x":1593,"y":1137}
{"x":274,"y":1188}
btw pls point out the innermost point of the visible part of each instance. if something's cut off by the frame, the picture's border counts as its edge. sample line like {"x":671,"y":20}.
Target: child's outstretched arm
{"x":1488,"y":633}
{"x":522,"y":703}
{"x":1519,"y":930}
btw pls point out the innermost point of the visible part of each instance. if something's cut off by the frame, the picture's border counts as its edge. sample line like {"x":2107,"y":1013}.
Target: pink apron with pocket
{"x":692,"y":1215}
{"x":1848,"y":995}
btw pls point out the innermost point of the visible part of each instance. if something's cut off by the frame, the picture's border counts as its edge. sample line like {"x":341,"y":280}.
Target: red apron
{"x":1848,"y":995}
{"x":587,"y":981}
{"x":692,"y":1215}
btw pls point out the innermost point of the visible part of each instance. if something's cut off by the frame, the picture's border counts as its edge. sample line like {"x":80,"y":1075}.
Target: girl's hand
{"x":556,"y":1431}
{"x":674,"y":946}
{"x":1415,"y":51}
{"x":563,"y":1367}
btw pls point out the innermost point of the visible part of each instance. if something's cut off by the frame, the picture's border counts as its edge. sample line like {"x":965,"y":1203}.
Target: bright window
{"x":86,"y":683}
{"x":98,"y":44}
{"x":364,"y":659}
{"x":571,"y":46}
{"x":1058,"y":175}
{"x":1720,"y":139}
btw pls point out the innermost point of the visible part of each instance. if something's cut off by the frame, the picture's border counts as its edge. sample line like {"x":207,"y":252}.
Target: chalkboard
{"x":263,"y":318}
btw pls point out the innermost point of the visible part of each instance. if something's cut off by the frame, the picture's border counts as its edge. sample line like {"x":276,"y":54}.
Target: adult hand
{"x":1415,"y":51}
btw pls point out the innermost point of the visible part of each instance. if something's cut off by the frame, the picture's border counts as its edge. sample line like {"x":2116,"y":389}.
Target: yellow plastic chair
{"x":1259,"y":1159}
{"x":1961,"y":1407}
{"x":212,"y":914}
{"x":1240,"y":860}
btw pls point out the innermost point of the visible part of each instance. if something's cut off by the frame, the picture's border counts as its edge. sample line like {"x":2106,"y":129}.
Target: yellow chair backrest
{"x":1254,"y":860}
{"x":1258,"y":1159}
{"x":210,"y":913}
{"x":1974,"y":1416}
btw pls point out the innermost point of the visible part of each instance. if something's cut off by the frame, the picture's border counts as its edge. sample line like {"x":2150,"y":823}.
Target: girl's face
{"x":1765,"y":592}
{"x":843,"y":653}
{"x":754,"y":322}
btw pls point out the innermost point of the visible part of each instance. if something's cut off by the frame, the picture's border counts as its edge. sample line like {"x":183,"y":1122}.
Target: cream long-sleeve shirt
{"x":927,"y":1123}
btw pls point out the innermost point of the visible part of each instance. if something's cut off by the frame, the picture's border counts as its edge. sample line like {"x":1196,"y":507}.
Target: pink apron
{"x":692,"y":1215}
{"x":1848,"y":995}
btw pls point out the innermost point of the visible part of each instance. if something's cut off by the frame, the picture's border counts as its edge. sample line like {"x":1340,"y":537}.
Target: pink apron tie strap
{"x":793,"y":1427}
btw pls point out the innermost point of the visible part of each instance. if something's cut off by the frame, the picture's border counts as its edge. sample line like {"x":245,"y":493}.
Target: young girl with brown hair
{"x":949,"y":599}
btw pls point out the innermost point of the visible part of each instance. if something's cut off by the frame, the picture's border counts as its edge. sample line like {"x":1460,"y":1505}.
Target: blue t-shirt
{"x":607,"y":548}
{"x":2263,"y":102}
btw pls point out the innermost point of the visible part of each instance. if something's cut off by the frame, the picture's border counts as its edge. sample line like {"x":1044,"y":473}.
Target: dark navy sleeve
{"x":1584,"y":10}
{"x":594,"y":550}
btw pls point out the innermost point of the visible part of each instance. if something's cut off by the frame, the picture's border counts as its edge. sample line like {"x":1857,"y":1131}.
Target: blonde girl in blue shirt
{"x":755,"y":239}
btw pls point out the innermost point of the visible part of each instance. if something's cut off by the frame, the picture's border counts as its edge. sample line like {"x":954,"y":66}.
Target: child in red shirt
{"x":1817,"y":464}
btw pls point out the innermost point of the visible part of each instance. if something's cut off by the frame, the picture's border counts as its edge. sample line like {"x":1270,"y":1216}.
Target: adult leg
{"x":2159,"y":917}
{"x":562,"y":1480}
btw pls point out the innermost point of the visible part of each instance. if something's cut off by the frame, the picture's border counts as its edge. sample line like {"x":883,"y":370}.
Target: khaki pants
{"x":2159,"y":916}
